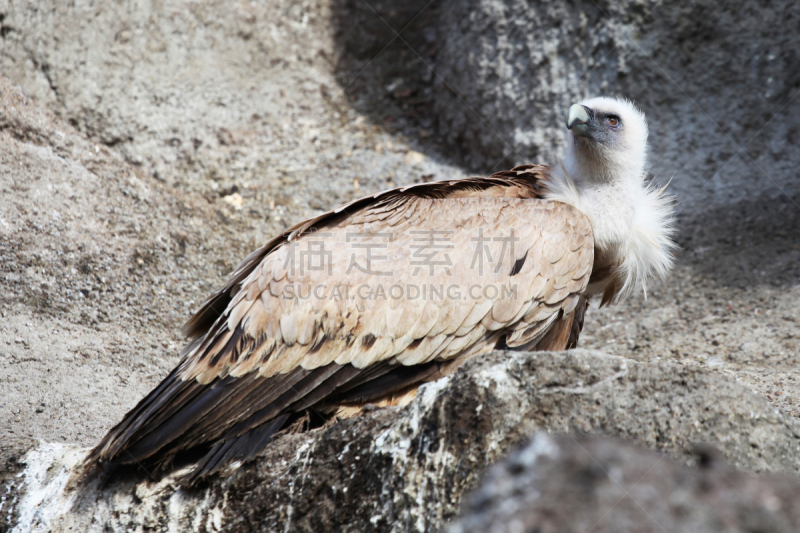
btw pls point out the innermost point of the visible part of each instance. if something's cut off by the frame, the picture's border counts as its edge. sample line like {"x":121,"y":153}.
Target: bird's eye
{"x":613,"y":120}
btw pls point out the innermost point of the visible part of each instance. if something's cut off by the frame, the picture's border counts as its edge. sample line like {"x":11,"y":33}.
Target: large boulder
{"x":407,"y":469}
{"x":580,"y":483}
{"x":211,"y":97}
{"x":718,"y":89}
{"x":145,"y":150}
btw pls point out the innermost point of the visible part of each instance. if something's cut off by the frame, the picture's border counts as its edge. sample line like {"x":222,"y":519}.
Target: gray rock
{"x":145,"y":150}
{"x":210,"y":97}
{"x":407,"y":469}
{"x":581,"y":483}
{"x":13,"y":460}
{"x":718,"y":89}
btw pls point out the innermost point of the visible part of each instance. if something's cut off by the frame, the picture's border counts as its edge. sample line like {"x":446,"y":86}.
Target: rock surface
{"x":719,"y":91}
{"x":623,"y":488}
{"x":144,"y":150}
{"x":406,"y":469}
{"x":108,"y":242}
{"x":137,"y":177}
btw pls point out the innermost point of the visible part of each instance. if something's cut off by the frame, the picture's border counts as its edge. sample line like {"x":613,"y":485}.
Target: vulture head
{"x":603,"y":175}
{"x":607,"y":141}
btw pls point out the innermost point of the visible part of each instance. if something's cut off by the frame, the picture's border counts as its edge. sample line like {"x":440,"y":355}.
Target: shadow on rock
{"x":386,"y":55}
{"x":751,"y":243}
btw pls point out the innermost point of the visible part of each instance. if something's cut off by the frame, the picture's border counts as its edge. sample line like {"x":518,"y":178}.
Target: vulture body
{"x":366,"y":302}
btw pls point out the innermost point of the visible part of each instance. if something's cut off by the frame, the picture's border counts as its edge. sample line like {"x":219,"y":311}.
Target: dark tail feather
{"x":307,"y":389}
{"x":395,"y":380}
{"x":241,"y":448}
{"x":172,"y":429}
{"x":242,"y":443}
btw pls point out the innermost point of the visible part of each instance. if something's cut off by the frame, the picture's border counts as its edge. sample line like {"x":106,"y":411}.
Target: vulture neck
{"x":631,"y":222}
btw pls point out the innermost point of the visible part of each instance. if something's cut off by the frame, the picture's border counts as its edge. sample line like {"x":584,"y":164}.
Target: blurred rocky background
{"x":147,"y":147}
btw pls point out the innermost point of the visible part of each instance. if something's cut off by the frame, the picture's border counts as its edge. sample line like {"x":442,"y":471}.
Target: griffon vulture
{"x":366,"y":302}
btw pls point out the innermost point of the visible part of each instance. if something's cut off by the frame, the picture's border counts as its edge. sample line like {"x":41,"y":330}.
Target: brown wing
{"x":365,"y":301}
{"x":523,"y":181}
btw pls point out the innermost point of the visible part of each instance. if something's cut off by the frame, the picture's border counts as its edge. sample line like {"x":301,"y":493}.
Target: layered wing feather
{"x":375,"y":297}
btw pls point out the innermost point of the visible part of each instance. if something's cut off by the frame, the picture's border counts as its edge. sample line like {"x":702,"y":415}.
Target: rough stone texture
{"x":612,"y":485}
{"x":406,"y":469}
{"x":13,"y":460}
{"x":94,"y":258}
{"x":115,"y":223}
{"x":146,"y":149}
{"x":721,"y":96}
{"x":207,"y":96}
{"x":731,"y":303}
{"x":719,"y":90}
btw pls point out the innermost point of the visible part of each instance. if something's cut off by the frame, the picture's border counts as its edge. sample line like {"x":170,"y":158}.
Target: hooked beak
{"x":579,"y":120}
